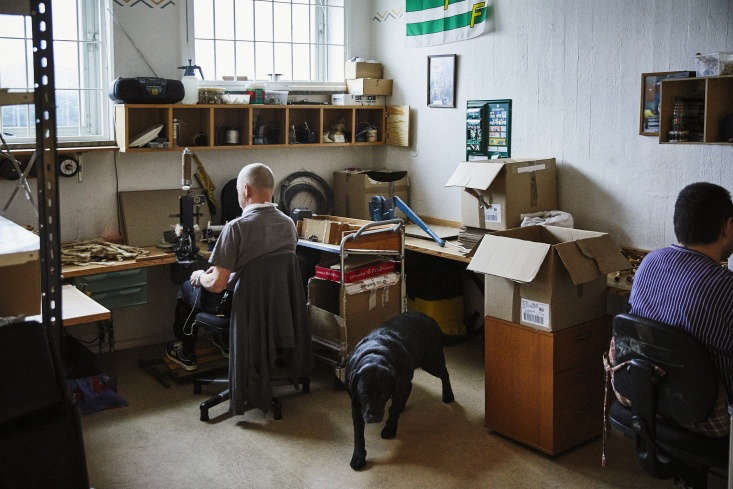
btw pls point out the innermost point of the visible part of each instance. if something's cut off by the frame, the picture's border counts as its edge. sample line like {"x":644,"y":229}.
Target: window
{"x":80,"y":62}
{"x":300,"y":39}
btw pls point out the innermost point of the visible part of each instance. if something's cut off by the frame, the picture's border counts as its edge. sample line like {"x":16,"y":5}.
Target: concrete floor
{"x":158,"y":441}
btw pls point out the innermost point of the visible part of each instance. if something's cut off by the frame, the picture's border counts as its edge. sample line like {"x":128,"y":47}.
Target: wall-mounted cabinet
{"x":172,"y":127}
{"x":697,"y":111}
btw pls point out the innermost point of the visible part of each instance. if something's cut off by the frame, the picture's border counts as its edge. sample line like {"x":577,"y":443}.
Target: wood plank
{"x":155,"y":258}
{"x":432,"y":248}
{"x":15,"y":98}
{"x":441,"y":222}
{"x":68,"y":150}
{"x":443,"y":232}
{"x":398,"y":125}
{"x":15,"y":7}
{"x":146,"y":214}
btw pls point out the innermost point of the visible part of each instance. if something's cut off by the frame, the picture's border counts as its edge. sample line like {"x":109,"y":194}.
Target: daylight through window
{"x":79,"y":50}
{"x":300,"y":39}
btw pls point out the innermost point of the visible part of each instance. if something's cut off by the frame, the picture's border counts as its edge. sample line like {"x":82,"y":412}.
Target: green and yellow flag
{"x":432,"y":22}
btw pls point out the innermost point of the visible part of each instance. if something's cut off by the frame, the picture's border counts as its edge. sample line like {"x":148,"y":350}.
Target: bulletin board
{"x":488,"y":129}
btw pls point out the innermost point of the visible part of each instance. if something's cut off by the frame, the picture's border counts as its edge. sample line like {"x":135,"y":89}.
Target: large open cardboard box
{"x":497,"y":192}
{"x":546,"y":277}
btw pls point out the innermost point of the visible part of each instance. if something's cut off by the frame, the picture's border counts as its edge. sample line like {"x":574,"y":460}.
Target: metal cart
{"x":333,"y":336}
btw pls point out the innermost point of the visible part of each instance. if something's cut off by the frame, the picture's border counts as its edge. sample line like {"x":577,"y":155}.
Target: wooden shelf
{"x":274,"y":120}
{"x":67,"y":150}
{"x":717,"y":94}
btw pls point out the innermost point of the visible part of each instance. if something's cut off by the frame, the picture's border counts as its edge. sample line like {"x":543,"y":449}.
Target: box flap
{"x":510,"y":258}
{"x":589,"y":258}
{"x":472,"y":175}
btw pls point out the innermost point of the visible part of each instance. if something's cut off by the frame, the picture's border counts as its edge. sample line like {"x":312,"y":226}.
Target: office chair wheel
{"x":306,"y":385}
{"x":277,"y":409}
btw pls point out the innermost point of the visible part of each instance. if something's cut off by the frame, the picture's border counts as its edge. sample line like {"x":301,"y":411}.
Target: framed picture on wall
{"x":651,"y":94}
{"x":442,"y":81}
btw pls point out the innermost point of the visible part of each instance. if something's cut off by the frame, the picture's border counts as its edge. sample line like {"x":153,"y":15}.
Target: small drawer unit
{"x":545,"y":389}
{"x":115,"y":290}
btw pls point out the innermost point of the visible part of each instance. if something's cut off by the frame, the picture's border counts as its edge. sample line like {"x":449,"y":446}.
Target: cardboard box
{"x":360,"y":69}
{"x":341,"y":319}
{"x":323,"y":230}
{"x":23,"y":294}
{"x":349,"y":99}
{"x":497,"y":192}
{"x":20,"y":270}
{"x":546,"y":277}
{"x":369,"y":86}
{"x":353,"y":189}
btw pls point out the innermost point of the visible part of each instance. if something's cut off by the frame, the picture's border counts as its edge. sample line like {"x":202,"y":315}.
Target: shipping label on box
{"x":535,"y":313}
{"x":492,"y":213}
{"x":546,"y":277}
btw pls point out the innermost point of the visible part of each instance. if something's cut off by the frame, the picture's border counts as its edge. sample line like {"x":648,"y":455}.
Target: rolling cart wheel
{"x":204,"y":412}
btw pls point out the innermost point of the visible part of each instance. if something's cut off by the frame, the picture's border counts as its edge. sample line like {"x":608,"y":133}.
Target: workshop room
{"x":366,"y":244}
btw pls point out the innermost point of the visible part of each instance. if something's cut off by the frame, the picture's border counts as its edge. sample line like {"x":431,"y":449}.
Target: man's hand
{"x":196,"y":278}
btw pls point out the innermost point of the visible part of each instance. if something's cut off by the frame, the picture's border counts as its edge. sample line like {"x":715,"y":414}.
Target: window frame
{"x":188,"y":50}
{"x":106,"y":59}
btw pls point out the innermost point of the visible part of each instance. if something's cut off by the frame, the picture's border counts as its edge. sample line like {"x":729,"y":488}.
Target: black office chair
{"x":671,"y":382}
{"x":277,"y":282}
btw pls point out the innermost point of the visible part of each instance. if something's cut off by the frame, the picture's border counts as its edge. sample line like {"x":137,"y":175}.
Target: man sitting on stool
{"x":262,"y":229}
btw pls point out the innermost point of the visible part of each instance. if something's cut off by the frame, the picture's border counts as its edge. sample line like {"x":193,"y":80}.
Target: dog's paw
{"x":358,"y":461}
{"x":448,"y":397}
{"x":389,"y":432}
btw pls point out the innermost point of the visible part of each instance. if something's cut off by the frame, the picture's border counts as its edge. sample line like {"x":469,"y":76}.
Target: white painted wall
{"x":572,"y":69}
{"x":88,"y":208}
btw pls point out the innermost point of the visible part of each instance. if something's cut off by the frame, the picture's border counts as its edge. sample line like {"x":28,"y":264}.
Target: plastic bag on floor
{"x":549,"y":218}
{"x":95,"y":393}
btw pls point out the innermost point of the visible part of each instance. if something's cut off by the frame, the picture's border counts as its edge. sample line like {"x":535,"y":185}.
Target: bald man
{"x":262,"y":229}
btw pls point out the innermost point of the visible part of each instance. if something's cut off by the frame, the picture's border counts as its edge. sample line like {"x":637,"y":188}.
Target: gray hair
{"x":256,"y":175}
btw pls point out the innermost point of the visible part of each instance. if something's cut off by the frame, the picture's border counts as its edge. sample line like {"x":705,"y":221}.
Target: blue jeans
{"x":191,"y":301}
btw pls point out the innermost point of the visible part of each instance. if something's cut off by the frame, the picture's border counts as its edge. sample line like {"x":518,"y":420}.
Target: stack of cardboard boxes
{"x":544,"y":301}
{"x":365,"y":85}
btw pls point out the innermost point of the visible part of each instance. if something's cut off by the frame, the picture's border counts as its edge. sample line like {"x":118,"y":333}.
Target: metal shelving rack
{"x":44,"y":99}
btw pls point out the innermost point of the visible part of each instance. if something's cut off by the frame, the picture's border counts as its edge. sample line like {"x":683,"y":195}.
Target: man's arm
{"x":214,"y":279}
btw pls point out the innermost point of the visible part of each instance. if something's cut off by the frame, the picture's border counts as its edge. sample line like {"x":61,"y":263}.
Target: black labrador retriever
{"x":381,"y":367}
